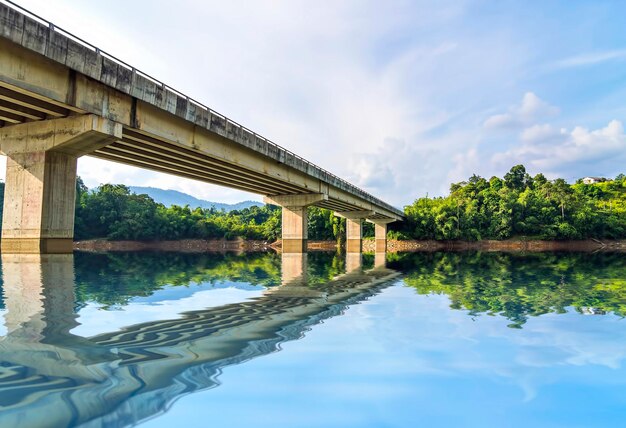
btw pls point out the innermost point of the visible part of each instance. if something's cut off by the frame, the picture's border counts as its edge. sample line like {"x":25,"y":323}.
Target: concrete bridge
{"x":62,"y":98}
{"x":51,"y":377}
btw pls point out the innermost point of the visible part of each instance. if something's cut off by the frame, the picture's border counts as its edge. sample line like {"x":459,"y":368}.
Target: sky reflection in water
{"x":464,"y":339}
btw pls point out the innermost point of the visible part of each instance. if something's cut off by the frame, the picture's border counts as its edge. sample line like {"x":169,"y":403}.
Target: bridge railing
{"x":345,"y":184}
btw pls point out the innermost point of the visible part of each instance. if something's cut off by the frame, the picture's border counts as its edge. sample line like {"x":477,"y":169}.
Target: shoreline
{"x":393,"y":246}
{"x":587,"y":245}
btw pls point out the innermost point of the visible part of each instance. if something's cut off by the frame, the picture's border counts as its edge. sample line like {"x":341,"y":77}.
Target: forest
{"x":517,"y":206}
{"x":113,"y":212}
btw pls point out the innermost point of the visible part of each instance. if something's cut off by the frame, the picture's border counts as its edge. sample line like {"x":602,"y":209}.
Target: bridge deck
{"x":47,"y":73}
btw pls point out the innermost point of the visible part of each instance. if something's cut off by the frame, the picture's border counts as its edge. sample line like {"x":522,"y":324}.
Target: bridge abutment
{"x":40,"y":189}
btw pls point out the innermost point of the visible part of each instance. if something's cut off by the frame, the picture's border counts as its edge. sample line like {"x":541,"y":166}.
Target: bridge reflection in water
{"x":51,"y":377}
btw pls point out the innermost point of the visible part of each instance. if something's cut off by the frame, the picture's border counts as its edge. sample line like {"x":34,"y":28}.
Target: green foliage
{"x":114,"y":278}
{"x":517,"y":205}
{"x":113,"y":212}
{"x":520,"y":205}
{"x":321,"y":224}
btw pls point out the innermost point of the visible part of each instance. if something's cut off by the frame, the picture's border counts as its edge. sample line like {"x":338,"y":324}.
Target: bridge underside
{"x":60,"y":101}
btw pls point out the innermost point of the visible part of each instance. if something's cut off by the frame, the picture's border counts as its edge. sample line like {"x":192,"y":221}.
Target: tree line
{"x":516,"y":205}
{"x":519,"y":205}
{"x":113,"y":212}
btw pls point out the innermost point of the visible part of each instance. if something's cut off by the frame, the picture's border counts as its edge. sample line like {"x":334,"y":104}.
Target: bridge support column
{"x":380,"y":234}
{"x":294,"y":229}
{"x":354,"y":235}
{"x":380,"y":260}
{"x":40,"y":189}
{"x":354,"y":229}
{"x":294,"y":218}
{"x":40,"y":192}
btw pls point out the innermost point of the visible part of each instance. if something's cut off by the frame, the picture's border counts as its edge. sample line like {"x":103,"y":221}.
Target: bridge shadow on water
{"x":52,"y":377}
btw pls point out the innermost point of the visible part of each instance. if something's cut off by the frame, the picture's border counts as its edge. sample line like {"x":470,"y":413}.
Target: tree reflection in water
{"x":519,"y":286}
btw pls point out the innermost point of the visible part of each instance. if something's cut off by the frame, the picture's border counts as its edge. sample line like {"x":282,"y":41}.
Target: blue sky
{"x":401,"y":98}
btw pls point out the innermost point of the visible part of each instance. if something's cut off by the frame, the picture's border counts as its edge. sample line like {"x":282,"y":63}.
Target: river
{"x":168,"y":339}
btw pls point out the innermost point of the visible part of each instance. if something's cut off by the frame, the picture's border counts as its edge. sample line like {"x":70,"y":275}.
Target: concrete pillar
{"x":294,"y":229}
{"x":294,"y":218}
{"x":380,"y":233}
{"x":40,"y":193}
{"x":354,"y":235}
{"x":40,"y":189}
{"x":354,"y":229}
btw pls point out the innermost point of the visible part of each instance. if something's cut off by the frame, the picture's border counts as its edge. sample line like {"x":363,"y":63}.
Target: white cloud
{"x":336,"y":83}
{"x":95,"y":172}
{"x":601,"y":151}
{"x":465,"y":164}
{"x":531,"y":108}
{"x":590,"y":59}
{"x":331,"y":83}
{"x":541,"y":133}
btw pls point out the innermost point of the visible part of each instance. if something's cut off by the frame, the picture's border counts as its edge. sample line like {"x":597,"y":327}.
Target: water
{"x":427,"y":339}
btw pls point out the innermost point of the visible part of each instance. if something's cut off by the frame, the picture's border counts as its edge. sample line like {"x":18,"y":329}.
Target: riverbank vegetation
{"x":516,"y":206}
{"x":113,"y":212}
{"x":519,"y":205}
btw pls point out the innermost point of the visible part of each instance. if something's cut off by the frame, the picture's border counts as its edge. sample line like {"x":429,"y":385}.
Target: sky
{"x":400,"y":98}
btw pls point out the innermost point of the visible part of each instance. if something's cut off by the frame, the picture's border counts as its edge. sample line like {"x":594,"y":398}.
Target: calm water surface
{"x":428,"y":339}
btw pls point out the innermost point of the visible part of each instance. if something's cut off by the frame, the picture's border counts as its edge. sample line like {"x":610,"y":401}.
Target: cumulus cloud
{"x":601,"y":151}
{"x":340,"y":93}
{"x":541,"y":134}
{"x":531,"y":108}
{"x":400,"y":171}
{"x":465,"y":164}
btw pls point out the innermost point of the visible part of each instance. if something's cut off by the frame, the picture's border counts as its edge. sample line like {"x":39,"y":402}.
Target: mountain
{"x":174,"y":197}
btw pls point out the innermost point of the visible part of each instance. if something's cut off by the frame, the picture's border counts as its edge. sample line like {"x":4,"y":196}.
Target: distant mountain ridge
{"x":174,"y":197}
